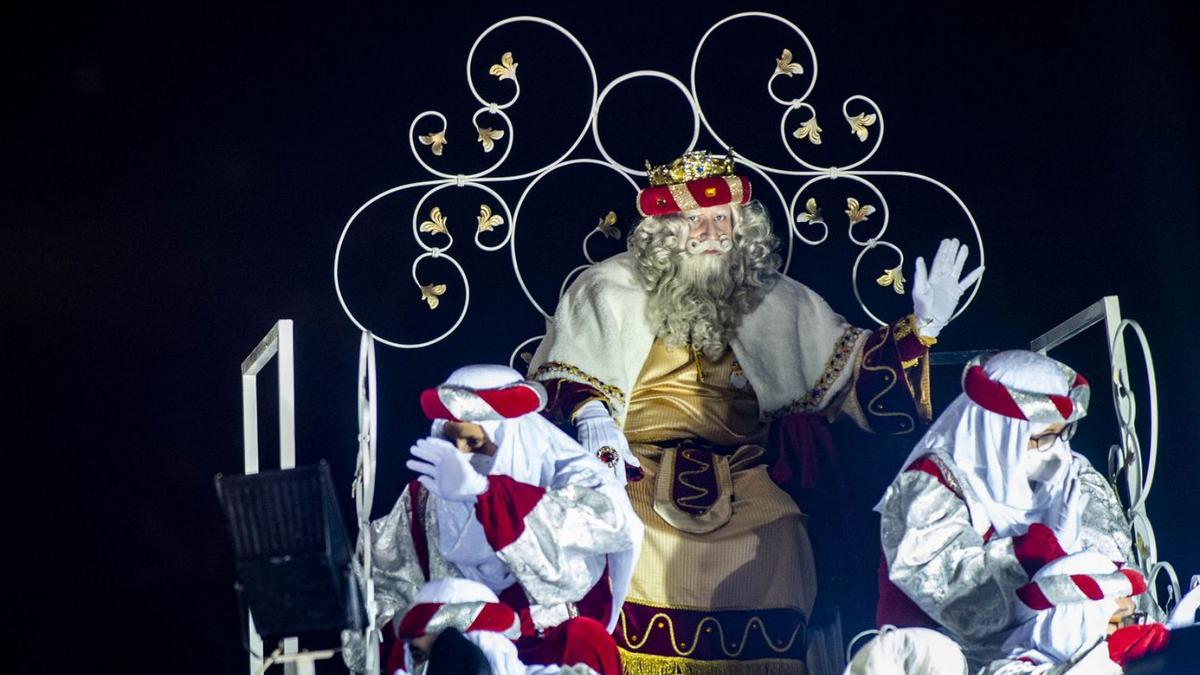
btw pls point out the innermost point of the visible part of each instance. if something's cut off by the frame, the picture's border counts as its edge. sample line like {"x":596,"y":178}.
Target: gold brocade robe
{"x":713,"y":586}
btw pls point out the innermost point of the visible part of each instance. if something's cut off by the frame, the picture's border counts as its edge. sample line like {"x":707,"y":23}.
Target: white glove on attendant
{"x":936,"y":291}
{"x":598,"y":434}
{"x":445,"y":471}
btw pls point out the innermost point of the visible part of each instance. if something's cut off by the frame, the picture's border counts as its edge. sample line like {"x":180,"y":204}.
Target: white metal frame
{"x":364,"y":491}
{"x":802,"y":225}
{"x":278,"y":344}
{"x":1127,"y":455}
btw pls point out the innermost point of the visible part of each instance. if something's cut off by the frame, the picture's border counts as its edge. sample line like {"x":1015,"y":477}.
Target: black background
{"x":177,"y":177}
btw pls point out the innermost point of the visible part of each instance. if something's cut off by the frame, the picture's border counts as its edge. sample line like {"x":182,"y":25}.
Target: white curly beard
{"x":699,"y":299}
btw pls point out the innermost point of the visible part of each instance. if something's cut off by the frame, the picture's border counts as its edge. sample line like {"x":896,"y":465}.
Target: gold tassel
{"x":634,"y":663}
{"x":925,"y":401}
{"x":699,"y":364}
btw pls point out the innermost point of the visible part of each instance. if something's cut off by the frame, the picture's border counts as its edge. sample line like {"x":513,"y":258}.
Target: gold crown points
{"x":692,"y":166}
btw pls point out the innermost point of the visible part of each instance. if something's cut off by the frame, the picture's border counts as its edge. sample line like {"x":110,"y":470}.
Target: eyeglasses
{"x":1044,"y":441}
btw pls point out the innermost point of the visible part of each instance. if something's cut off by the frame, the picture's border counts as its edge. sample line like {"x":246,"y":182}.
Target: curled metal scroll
{"x":863,"y":115}
{"x":1139,"y":468}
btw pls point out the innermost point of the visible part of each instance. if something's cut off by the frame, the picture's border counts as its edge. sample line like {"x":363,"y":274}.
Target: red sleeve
{"x":1131,"y":643}
{"x":928,"y":466}
{"x":503,"y":507}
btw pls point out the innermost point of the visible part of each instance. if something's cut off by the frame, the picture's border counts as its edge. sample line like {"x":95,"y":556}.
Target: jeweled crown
{"x":692,"y":166}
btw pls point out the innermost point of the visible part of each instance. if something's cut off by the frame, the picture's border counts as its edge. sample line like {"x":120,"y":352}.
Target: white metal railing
{"x":364,"y":491}
{"x":431,"y":226}
{"x":1127,"y":455}
{"x":278,"y":344}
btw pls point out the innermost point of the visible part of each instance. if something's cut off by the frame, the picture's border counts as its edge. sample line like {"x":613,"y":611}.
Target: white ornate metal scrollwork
{"x":863,"y":116}
{"x":1126,"y":456}
{"x":1139,"y":470}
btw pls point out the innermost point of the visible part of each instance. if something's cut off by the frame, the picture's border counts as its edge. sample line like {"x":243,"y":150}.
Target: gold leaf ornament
{"x":893,"y":277}
{"x":859,"y":124}
{"x":812,"y":213}
{"x":857,"y":212}
{"x":487,"y":220}
{"x":809,"y":130}
{"x":506,"y":69}
{"x":436,"y":141}
{"x":431,"y":293}
{"x":608,"y":226}
{"x":436,"y":223}
{"x":784,"y":65}
{"x":488,"y":137}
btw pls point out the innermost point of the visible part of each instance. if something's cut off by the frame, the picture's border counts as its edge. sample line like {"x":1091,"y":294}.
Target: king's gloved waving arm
{"x":890,"y":382}
{"x":936,"y":292}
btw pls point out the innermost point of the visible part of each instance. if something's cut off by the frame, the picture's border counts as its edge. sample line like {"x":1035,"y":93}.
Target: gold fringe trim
{"x":634,"y":663}
{"x":557,"y":369}
{"x":925,"y":399}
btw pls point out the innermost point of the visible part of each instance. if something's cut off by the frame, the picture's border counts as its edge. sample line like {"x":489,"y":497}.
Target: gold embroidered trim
{"x":842,"y":350}
{"x":904,"y":327}
{"x":663,"y":620}
{"x":699,"y":492}
{"x":925,"y":400}
{"x":907,"y":326}
{"x":634,"y":663}
{"x":554,"y":369}
{"x":712,"y":518}
{"x":735,"y":189}
{"x":872,"y":408}
{"x":947,"y":474}
{"x":683,"y":197}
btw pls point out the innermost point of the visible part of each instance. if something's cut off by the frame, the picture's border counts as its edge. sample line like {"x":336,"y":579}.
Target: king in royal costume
{"x":692,"y":365}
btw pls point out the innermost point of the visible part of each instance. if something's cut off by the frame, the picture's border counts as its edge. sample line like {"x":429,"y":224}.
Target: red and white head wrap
{"x":483,"y":393}
{"x":1007,"y":399}
{"x":1033,"y":406}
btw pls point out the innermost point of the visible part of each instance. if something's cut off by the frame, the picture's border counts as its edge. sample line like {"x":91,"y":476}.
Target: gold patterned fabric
{"x":682,"y":394}
{"x":740,"y":574}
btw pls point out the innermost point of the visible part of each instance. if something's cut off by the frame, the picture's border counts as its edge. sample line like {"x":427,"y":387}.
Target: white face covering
{"x":1045,"y":465}
{"x":482,"y":463}
{"x":1012,"y":484}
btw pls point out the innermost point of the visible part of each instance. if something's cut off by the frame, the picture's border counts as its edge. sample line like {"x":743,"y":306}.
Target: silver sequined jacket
{"x":965,"y":583}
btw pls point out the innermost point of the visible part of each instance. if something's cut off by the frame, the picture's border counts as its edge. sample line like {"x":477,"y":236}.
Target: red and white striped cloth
{"x":506,"y":400}
{"x":1047,"y":591}
{"x":1032,"y":406}
{"x":434,"y":617}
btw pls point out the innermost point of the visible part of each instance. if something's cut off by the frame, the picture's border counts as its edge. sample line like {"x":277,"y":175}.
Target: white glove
{"x":599,"y":435}
{"x":445,"y":471}
{"x":936,"y":292}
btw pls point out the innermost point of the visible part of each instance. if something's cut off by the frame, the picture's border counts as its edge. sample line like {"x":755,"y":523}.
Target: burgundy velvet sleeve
{"x":565,"y":397}
{"x":888,"y":401}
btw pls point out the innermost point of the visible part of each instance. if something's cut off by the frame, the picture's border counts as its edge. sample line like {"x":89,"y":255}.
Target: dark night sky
{"x":177,"y":177}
